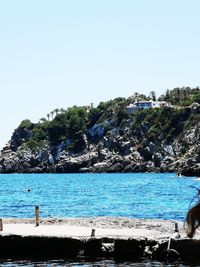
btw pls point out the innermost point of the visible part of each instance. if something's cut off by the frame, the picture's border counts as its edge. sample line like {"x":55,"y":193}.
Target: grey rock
{"x":116,"y":168}
{"x":157,"y":158}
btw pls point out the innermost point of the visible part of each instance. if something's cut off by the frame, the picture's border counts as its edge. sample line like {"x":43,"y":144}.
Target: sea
{"x":133,"y":195}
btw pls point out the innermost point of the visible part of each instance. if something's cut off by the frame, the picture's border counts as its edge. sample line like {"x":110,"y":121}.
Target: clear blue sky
{"x":57,"y":53}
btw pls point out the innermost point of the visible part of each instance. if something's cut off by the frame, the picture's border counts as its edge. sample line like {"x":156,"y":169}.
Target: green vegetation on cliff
{"x":184,"y":96}
{"x":72,"y":125}
{"x":115,"y":136}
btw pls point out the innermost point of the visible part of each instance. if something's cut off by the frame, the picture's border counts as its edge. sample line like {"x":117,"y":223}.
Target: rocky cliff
{"x":107,"y":139}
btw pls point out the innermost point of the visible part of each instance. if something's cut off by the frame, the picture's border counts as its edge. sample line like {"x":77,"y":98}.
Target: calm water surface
{"x":141,"y":195}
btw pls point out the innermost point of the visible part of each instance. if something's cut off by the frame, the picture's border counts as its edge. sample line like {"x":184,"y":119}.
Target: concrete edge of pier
{"x":52,"y":247}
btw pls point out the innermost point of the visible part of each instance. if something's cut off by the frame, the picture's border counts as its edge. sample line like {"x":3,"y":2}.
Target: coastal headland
{"x":136,"y":134}
{"x":113,"y":237}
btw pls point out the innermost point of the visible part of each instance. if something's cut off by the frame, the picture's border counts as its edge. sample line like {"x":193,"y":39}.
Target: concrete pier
{"x":40,"y":247}
{"x":143,"y":240}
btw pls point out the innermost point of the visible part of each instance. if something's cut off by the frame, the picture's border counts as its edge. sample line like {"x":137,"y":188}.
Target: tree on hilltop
{"x":48,"y":116}
{"x":152,"y":95}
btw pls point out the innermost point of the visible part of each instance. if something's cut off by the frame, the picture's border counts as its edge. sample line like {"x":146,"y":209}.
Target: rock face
{"x":110,"y":147}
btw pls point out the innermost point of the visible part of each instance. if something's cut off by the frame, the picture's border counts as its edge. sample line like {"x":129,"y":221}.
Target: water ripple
{"x":141,"y":195}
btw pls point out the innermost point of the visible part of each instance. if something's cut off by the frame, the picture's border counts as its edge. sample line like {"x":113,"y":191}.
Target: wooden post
{"x":36,"y":215}
{"x":176,"y":227}
{"x":93,"y":232}
{"x":1,"y":225}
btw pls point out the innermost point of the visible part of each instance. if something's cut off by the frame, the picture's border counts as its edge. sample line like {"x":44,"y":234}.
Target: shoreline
{"x":104,"y":226}
{"x":115,"y":238}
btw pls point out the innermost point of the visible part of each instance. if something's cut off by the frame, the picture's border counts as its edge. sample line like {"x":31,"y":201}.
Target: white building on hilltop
{"x":146,"y":105}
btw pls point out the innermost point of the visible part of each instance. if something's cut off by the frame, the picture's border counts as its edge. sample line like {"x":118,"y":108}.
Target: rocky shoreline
{"x":56,"y":160}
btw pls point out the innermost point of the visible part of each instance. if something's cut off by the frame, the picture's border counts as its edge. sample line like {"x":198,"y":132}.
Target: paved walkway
{"x":79,"y":231}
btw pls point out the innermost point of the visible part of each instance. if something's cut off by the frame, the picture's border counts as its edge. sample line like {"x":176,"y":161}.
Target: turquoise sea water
{"x":141,"y":195}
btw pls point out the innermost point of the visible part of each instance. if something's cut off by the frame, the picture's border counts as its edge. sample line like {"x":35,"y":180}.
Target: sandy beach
{"x":104,"y":227}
